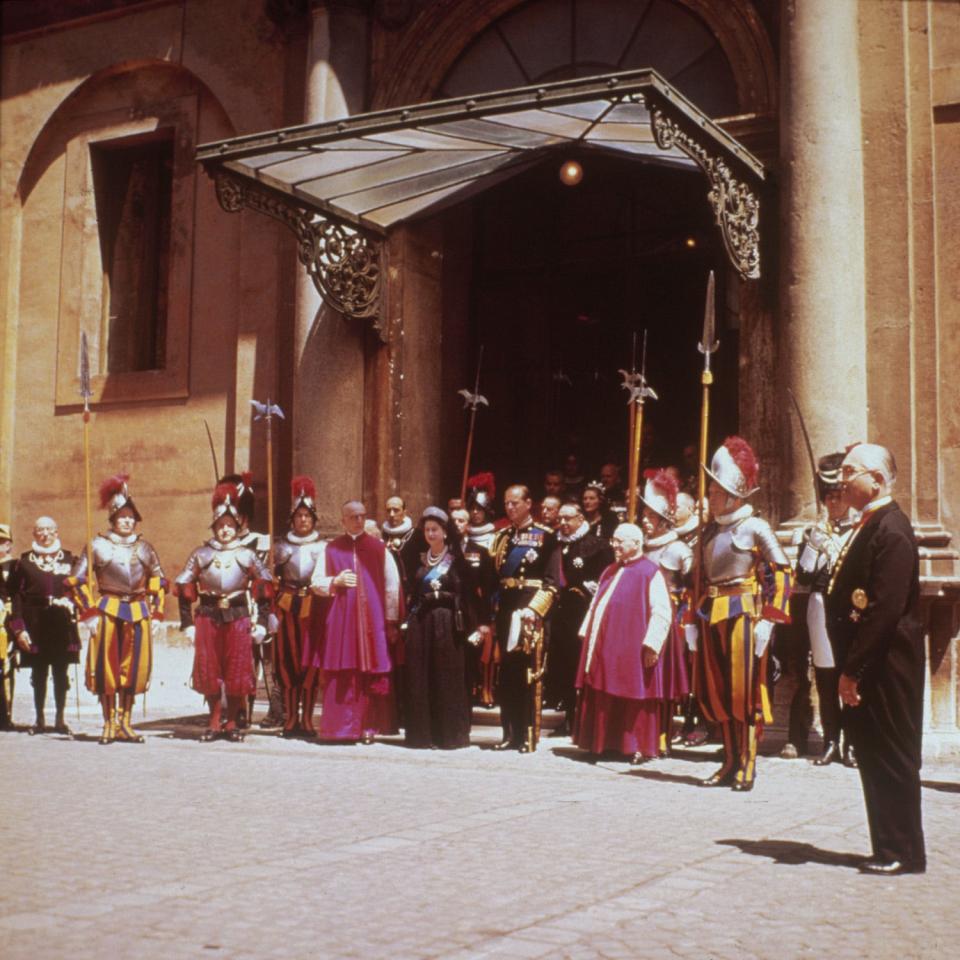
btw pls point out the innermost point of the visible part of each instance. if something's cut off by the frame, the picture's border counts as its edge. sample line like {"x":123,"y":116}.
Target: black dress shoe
{"x":831,"y":753}
{"x":638,"y":759}
{"x":235,"y":735}
{"x":893,"y":868}
{"x":209,"y":735}
{"x":722,"y":778}
{"x":505,"y":745}
{"x":849,"y":757}
{"x":742,"y":786}
{"x":524,"y":748}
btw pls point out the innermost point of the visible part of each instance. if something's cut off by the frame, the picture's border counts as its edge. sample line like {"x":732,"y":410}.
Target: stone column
{"x":329,"y":348}
{"x":822,"y":234}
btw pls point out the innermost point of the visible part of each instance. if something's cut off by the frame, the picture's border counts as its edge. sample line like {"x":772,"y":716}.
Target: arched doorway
{"x":561,"y":280}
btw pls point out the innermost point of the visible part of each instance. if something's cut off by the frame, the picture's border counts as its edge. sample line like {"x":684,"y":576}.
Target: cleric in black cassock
{"x":872,"y":609}
{"x":583,"y":558}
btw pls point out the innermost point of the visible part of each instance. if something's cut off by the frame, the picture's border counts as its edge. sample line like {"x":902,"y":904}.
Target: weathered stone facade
{"x":854,"y":108}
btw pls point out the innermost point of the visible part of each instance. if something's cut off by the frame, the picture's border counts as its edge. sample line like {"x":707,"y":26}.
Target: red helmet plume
{"x":486,"y":482}
{"x":303,"y":493}
{"x":660,"y":492}
{"x":114,"y":496}
{"x":744,"y":457}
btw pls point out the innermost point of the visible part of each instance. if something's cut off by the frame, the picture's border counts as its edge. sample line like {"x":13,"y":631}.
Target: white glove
{"x":691,"y":633}
{"x":64,"y":602}
{"x":591,"y":586}
{"x":475,"y":639}
{"x":190,"y":633}
{"x":273,"y":625}
{"x":258,"y":633}
{"x":761,"y":636}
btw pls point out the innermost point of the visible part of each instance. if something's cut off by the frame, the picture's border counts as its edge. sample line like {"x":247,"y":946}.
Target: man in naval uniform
{"x":583,"y":557}
{"x":874,"y":621}
{"x":527,"y":569}
{"x":748,"y":580}
{"x":300,"y":613}
{"x":132,"y":592}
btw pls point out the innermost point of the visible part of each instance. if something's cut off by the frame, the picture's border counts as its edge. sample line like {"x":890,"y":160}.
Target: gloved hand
{"x":190,"y":633}
{"x":258,"y":633}
{"x":591,"y":586}
{"x":761,"y":636}
{"x":691,"y":633}
{"x":23,"y":641}
{"x":64,"y":602}
{"x":475,"y":639}
{"x":273,"y":625}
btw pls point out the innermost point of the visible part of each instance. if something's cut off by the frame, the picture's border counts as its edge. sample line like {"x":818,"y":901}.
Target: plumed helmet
{"x":735,"y":467}
{"x":303,"y":493}
{"x":224,"y":502}
{"x":245,"y":501}
{"x":481,"y":491}
{"x":828,"y":473}
{"x":660,"y":493}
{"x":114,"y":496}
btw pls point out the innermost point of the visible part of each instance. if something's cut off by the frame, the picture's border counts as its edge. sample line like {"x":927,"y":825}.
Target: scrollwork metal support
{"x":736,"y":206}
{"x":343,"y":263}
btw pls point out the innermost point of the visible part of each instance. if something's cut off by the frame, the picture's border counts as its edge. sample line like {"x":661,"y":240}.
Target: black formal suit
{"x":873,"y":619}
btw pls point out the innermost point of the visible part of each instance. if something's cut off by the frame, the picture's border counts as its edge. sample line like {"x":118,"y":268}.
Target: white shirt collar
{"x":309,"y":538}
{"x":577,"y":534}
{"x":46,"y":551}
{"x":404,"y":526}
{"x":876,"y":504}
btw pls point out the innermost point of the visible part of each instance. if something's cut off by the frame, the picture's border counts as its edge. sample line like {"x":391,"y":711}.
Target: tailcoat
{"x":873,"y":615}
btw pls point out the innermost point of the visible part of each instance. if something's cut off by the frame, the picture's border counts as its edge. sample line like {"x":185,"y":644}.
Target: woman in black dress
{"x":441,"y":616}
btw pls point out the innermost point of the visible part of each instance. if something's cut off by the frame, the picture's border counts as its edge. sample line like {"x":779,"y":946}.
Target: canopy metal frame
{"x":341,"y":186}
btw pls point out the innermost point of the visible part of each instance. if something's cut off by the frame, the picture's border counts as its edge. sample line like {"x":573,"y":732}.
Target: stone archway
{"x":413,"y":70}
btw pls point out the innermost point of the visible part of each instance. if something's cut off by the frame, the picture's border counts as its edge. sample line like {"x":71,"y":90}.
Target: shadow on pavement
{"x":576,"y":755}
{"x":794,"y":853}
{"x":945,"y":785}
{"x":663,"y":777}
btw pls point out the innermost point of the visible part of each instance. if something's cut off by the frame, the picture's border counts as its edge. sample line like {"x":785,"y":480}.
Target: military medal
{"x":859,"y":600}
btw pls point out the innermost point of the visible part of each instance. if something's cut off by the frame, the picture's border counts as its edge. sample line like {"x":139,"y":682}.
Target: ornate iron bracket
{"x":343,"y":263}
{"x":735,"y":206}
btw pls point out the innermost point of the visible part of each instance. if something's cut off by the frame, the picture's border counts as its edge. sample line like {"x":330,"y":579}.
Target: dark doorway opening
{"x":561,"y":280}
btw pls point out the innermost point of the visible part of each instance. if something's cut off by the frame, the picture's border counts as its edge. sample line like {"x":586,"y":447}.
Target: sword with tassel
{"x":707,"y":346}
{"x":86,"y":392}
{"x":639,"y":391}
{"x":471,"y":400}
{"x":809,"y":446}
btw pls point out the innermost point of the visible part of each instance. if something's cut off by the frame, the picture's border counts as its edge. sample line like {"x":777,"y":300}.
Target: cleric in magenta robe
{"x":620,"y":674}
{"x":361,"y":576}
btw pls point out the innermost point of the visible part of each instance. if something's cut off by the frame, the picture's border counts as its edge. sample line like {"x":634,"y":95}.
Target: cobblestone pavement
{"x":286,"y":849}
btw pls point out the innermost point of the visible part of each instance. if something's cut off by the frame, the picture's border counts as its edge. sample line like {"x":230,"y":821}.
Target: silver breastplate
{"x":731,"y":552}
{"x":221,"y":571}
{"x":124,"y":569}
{"x":297,"y":561}
{"x":675,"y":559}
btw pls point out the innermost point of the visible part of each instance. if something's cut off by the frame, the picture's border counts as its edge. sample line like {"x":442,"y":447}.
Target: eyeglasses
{"x":849,"y":473}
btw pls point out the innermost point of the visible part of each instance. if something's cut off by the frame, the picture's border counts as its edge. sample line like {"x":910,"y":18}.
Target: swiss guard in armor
{"x":583,"y":558}
{"x":484,"y":659}
{"x":219,"y":574}
{"x":262,"y":650}
{"x":527,"y":568}
{"x":747,"y":580}
{"x":132,"y":592}
{"x":43,"y":623}
{"x":298,"y":647}
{"x":675,"y":560}
{"x":818,"y":548}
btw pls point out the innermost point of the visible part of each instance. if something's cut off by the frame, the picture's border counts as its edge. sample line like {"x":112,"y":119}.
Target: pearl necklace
{"x":431,"y":562}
